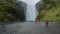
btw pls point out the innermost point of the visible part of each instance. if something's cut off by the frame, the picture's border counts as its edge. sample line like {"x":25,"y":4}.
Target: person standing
{"x":46,"y":22}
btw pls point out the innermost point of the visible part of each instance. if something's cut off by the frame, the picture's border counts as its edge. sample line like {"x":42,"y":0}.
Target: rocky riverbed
{"x":30,"y":28}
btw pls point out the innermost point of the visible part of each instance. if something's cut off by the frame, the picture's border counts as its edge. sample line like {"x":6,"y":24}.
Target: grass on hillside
{"x":52,"y":14}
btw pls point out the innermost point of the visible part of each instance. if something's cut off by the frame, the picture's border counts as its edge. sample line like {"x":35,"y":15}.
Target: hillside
{"x":6,"y":11}
{"x":50,"y":11}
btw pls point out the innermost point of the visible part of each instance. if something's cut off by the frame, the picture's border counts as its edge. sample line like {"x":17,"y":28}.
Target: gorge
{"x":31,"y":12}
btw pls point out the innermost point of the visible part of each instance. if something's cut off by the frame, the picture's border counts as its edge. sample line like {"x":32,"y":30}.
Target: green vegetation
{"x":50,"y":11}
{"x":6,"y":11}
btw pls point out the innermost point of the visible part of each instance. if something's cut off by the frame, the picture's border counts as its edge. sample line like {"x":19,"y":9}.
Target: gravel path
{"x":30,"y":28}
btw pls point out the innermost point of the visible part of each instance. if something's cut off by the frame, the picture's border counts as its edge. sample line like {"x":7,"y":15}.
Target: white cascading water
{"x":31,"y":12}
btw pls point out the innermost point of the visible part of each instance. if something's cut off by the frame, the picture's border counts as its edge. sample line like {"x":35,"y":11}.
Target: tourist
{"x":46,"y":22}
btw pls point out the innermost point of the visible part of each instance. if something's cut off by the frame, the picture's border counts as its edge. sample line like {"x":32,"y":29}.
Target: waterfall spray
{"x":31,"y":12}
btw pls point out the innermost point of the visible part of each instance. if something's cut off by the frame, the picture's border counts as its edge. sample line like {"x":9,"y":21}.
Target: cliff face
{"x":50,"y":11}
{"x":12,"y":10}
{"x":21,"y":9}
{"x":39,"y":5}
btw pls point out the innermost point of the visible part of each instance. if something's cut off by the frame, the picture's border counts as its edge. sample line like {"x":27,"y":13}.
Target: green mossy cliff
{"x":11,"y":11}
{"x":50,"y":11}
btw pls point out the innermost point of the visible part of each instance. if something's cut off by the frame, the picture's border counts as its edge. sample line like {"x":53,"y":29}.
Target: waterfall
{"x":31,"y":12}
